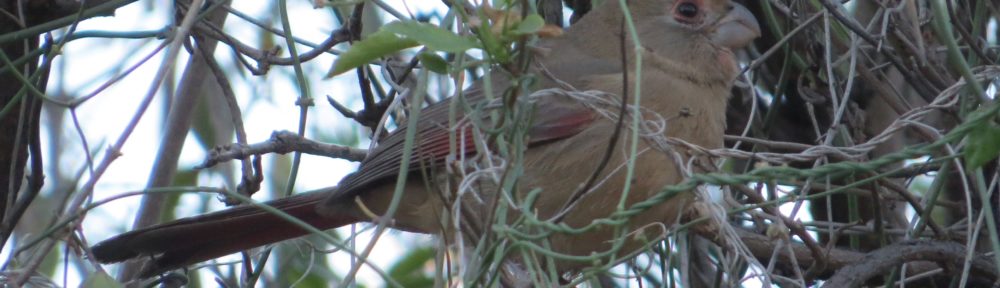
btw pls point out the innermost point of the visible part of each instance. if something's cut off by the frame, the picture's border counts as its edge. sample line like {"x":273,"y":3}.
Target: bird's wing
{"x":554,"y":117}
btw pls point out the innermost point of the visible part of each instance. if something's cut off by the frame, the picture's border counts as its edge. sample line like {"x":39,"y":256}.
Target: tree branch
{"x":282,"y":142}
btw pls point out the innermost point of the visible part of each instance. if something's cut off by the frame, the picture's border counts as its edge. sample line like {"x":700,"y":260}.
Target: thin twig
{"x":282,"y":142}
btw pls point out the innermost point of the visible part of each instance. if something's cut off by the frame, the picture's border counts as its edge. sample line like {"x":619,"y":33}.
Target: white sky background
{"x":268,"y":104}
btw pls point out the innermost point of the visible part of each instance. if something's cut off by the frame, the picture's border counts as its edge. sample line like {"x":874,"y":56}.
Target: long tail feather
{"x":191,"y":240}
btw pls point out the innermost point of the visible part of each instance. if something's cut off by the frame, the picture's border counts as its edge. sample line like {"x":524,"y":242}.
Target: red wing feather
{"x":556,"y":117}
{"x":559,"y":121}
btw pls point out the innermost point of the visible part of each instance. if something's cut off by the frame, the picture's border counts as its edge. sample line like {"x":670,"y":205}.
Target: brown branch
{"x":175,"y":132}
{"x":251,"y":179}
{"x":843,"y":263}
{"x":282,"y":142}
{"x":552,"y":11}
{"x":853,"y":25}
{"x":266,"y":58}
{"x":41,"y":16}
{"x":882,"y":261}
{"x":21,"y":25}
{"x":763,"y":248}
{"x":817,"y":252}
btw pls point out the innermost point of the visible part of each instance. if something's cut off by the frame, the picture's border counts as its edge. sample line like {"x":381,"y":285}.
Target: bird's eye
{"x":686,"y":11}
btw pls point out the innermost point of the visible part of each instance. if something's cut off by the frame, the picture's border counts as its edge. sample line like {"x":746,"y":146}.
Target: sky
{"x":268,"y":104}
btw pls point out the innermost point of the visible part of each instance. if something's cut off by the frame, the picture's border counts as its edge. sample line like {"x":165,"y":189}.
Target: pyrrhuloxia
{"x":688,"y":68}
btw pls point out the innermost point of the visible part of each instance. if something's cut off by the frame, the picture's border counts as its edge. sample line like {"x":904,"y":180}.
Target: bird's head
{"x":682,"y":32}
{"x":695,"y":37}
{"x":722,"y":22}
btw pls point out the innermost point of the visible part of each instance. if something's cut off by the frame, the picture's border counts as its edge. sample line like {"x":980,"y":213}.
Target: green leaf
{"x":983,"y":146}
{"x":407,"y":271}
{"x":377,"y":45}
{"x":433,"y":62}
{"x":434,"y":37}
{"x":494,"y":49}
{"x":530,"y":25}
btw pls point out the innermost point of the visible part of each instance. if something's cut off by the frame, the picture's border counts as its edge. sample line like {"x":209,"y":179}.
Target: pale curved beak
{"x":737,"y":29}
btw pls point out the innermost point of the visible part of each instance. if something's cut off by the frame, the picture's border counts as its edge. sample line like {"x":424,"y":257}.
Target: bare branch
{"x":882,"y":261}
{"x":282,"y":142}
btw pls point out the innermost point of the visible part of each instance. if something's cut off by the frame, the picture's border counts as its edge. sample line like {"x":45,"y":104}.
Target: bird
{"x":688,"y":68}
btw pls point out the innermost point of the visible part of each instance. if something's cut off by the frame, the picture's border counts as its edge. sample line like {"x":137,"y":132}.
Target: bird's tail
{"x":191,"y":240}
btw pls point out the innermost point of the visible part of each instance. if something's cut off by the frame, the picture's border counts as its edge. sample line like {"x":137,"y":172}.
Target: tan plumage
{"x":687,"y":66}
